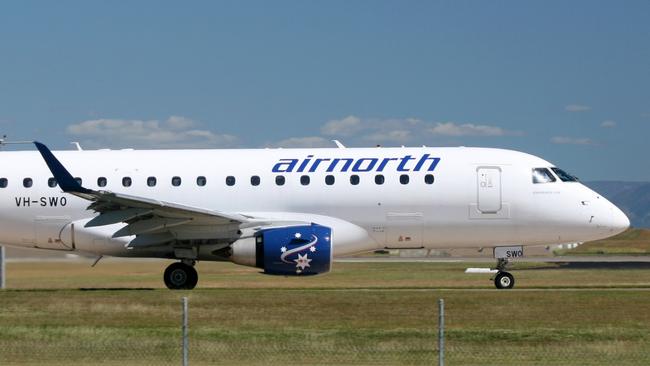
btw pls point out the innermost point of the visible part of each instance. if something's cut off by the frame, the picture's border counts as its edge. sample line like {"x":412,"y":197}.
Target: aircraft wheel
{"x":180,"y":276}
{"x":504,"y":280}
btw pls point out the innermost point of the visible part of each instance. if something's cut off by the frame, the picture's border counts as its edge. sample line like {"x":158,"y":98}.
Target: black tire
{"x":180,"y":276}
{"x":504,"y":281}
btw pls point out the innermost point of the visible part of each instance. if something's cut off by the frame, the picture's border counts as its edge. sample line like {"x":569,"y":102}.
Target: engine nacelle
{"x":294,"y":250}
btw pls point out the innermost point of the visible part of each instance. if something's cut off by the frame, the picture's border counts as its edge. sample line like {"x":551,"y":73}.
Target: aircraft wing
{"x":154,"y":221}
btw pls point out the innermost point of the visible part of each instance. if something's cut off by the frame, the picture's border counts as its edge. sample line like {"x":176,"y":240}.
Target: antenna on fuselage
{"x":77,"y":145}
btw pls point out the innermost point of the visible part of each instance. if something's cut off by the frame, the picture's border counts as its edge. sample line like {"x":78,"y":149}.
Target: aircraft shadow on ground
{"x":590,"y":265}
{"x":116,"y":289}
{"x":88,"y":289}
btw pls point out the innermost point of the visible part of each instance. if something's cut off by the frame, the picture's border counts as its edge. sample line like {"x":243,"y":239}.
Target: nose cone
{"x":619,"y":221}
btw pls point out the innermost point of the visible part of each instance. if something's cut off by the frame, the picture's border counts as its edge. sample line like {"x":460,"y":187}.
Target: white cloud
{"x":342,"y":127}
{"x":303,"y":142}
{"x":175,"y":132}
{"x":405,"y":130}
{"x":577,"y":108}
{"x":608,"y":124}
{"x":572,"y":140}
{"x":468,"y":129}
{"x":390,"y":135}
{"x":179,"y":122}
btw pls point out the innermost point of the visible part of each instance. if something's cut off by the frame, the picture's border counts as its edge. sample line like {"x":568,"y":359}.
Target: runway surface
{"x":572,"y":259}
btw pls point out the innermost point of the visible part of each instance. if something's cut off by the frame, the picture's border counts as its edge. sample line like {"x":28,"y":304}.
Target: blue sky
{"x":566,"y":80}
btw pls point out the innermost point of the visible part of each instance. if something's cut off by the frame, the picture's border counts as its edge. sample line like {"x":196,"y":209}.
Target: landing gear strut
{"x":181,"y":276}
{"x":503,"y":279}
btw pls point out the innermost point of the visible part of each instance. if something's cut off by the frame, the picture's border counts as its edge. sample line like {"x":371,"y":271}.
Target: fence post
{"x":2,"y":267}
{"x":185,"y":337}
{"x":441,"y":332}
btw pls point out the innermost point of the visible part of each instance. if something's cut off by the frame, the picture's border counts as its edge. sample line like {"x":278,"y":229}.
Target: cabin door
{"x":489,"y":189}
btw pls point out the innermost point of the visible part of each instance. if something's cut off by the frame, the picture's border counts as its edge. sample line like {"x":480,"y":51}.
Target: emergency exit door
{"x":489,"y":189}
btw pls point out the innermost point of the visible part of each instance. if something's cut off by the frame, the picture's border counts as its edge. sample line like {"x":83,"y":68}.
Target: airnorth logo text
{"x":408,"y":163}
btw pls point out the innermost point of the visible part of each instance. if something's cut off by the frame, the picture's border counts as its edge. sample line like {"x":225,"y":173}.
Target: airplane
{"x":291,"y":211}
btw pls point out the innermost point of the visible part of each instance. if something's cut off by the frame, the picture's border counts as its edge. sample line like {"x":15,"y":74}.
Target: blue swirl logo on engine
{"x":297,"y":250}
{"x":302,"y":261}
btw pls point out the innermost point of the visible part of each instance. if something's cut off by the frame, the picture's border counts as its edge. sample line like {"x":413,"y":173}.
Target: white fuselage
{"x":478,"y":198}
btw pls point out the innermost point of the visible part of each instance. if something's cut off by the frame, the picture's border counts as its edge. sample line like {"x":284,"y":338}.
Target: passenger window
{"x":542,"y":175}
{"x":429,"y":179}
{"x":4,"y":182}
{"x":51,"y":182}
{"x":564,"y":176}
{"x":404,"y":179}
{"x":78,"y":180}
{"x":354,"y":179}
{"x":27,"y":182}
{"x":329,"y":180}
{"x":304,"y":180}
{"x":201,"y":181}
{"x":255,"y":180}
{"x":230,"y":180}
{"x":101,"y":182}
{"x":279,"y":180}
{"x":176,"y":181}
{"x":126,"y":181}
{"x":151,"y":181}
{"x":379,"y":179}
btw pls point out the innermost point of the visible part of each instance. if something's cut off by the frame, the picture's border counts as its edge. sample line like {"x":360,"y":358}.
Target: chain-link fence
{"x":295,"y":338}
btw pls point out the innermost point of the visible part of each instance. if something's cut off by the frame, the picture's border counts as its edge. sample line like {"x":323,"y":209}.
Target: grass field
{"x":361,"y":313}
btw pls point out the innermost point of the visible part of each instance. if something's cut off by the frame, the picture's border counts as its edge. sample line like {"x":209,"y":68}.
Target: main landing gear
{"x":503,"y":279}
{"x":181,"y":275}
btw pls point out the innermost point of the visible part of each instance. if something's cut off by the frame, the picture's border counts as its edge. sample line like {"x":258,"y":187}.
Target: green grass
{"x":630,"y":242}
{"x":363,"y":313}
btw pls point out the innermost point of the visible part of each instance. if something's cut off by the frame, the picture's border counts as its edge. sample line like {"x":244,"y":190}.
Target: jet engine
{"x":293,"y":250}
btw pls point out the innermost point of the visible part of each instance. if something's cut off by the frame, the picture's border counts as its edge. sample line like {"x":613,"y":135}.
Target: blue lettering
{"x":285,"y":166}
{"x":308,"y":164}
{"x":304,"y":163}
{"x":371,"y":164}
{"x":348,"y":162}
{"x":315,"y":165}
{"x":401,"y":167}
{"x":423,"y":159}
{"x":383,"y":163}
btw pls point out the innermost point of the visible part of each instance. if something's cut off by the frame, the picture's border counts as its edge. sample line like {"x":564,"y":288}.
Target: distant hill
{"x":632,"y":197}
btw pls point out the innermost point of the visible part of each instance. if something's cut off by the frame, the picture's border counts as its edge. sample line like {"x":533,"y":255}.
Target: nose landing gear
{"x":503,"y":279}
{"x":181,"y":276}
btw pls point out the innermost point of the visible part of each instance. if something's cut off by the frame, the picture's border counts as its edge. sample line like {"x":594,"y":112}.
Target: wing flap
{"x":113,"y":217}
{"x":152,"y":225}
{"x":151,"y":240}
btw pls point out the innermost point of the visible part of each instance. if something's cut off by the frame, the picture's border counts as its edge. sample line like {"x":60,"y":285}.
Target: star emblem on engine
{"x":302,"y":261}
